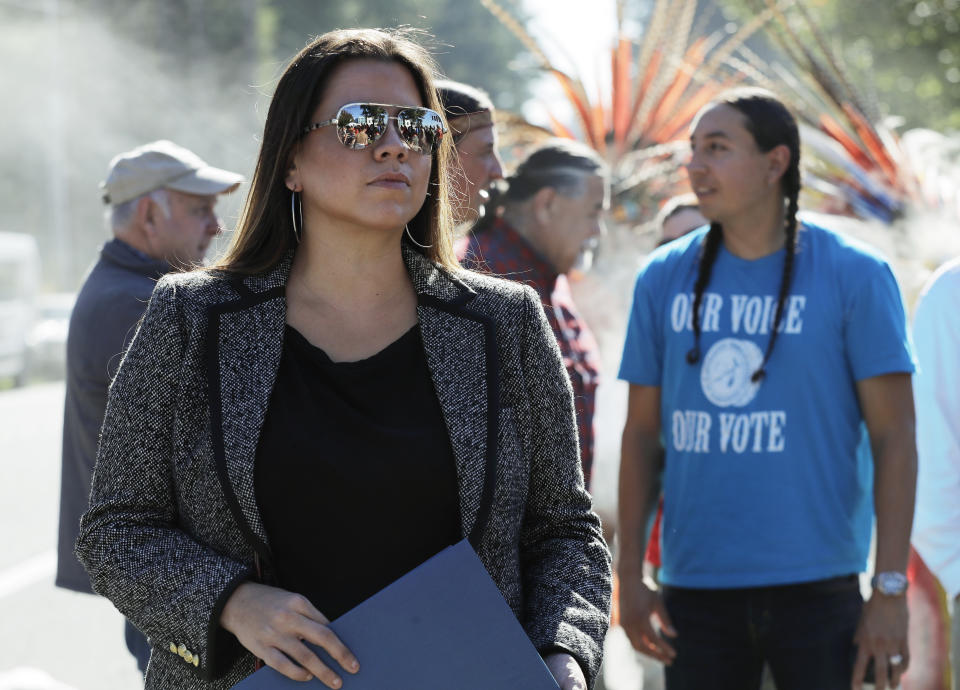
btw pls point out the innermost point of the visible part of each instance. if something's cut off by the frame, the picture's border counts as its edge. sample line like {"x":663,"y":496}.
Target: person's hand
{"x":273,"y":624}
{"x":882,"y":635}
{"x":566,"y":671}
{"x":638,"y":605}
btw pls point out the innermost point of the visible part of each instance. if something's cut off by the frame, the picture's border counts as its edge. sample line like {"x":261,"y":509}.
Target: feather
{"x":559,"y":128}
{"x":518,"y":30}
{"x":673,"y":50}
{"x":622,"y":55}
{"x":874,"y":146}
{"x":740,"y":37}
{"x":649,"y":47}
{"x":835,"y":63}
{"x":829,"y":125}
{"x":678,"y":125}
{"x":578,"y":98}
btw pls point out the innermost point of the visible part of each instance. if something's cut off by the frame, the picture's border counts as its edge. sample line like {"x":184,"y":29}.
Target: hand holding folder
{"x":443,"y":625}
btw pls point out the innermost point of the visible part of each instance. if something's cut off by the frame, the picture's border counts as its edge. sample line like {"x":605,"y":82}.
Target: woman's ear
{"x":292,"y":180}
{"x":779,"y":160}
{"x":543,"y":205}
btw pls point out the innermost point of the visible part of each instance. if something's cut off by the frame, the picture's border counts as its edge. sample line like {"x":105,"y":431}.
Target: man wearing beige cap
{"x":161,"y":201}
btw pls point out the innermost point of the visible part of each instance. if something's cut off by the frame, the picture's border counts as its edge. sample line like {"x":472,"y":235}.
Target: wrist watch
{"x":892,"y":584}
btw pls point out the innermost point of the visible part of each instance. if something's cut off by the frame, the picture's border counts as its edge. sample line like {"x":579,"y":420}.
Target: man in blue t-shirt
{"x":757,"y":347}
{"x":761,"y":477}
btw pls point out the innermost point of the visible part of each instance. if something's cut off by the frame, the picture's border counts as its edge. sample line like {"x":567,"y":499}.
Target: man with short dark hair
{"x":161,"y":214}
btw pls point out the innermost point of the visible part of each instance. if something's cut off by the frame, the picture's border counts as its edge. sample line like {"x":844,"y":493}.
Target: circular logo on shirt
{"x":726,"y":372}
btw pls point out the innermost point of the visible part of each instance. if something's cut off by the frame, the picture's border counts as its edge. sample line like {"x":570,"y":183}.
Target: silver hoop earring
{"x":295,"y":206}
{"x":410,"y":236}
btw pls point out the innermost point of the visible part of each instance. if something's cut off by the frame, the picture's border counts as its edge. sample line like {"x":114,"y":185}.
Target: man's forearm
{"x":640,"y":462}
{"x":895,"y":481}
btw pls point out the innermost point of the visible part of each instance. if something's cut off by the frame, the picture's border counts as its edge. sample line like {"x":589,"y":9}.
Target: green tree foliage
{"x":902,"y":54}
{"x":469,"y":43}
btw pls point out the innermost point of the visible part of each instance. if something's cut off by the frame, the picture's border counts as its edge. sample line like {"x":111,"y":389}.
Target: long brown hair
{"x":264,"y":233}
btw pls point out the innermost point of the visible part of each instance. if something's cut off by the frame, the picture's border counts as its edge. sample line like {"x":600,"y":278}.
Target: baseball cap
{"x":163,"y":164}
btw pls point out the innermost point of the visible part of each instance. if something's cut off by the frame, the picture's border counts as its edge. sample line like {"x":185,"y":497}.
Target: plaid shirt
{"x":500,"y":250}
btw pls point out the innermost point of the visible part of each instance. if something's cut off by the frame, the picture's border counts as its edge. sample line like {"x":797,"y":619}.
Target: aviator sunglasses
{"x":360,"y":125}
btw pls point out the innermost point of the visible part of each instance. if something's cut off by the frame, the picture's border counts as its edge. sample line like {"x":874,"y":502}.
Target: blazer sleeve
{"x":166,"y":583}
{"x":565,"y":561}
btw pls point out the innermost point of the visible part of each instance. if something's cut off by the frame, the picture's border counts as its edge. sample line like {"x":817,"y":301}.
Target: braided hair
{"x":771,"y":125}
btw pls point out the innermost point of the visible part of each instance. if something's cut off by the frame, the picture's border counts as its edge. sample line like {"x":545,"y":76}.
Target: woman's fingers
{"x":273,"y":624}
{"x":281,"y":663}
{"x":313,"y":628}
{"x":300,"y":604}
{"x":566,"y":671}
{"x":324,"y":637}
{"x":289,"y":655}
{"x":302,"y":654}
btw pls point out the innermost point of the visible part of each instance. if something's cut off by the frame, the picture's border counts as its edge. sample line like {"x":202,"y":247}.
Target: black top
{"x":355,"y":476}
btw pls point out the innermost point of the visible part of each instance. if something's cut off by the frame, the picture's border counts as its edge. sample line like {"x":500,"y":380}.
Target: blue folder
{"x":442,"y":626}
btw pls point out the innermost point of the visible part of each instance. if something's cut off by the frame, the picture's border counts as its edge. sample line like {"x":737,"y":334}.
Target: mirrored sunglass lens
{"x":420,"y":128}
{"x":360,"y":125}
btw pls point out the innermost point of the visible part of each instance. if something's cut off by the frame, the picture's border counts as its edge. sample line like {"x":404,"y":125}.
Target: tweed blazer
{"x":173,"y":525}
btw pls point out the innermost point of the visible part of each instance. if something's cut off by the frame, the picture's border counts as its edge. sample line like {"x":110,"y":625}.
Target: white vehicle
{"x":19,"y":283}
{"x":47,"y":341}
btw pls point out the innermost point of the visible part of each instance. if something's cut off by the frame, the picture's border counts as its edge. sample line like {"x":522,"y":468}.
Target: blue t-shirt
{"x":762,"y":485}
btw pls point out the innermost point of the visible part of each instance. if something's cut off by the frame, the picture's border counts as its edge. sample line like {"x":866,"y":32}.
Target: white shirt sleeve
{"x":936,"y":333}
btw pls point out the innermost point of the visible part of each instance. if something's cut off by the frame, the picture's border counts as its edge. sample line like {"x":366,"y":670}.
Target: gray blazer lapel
{"x":245,"y":342}
{"x":455,"y":355}
{"x":461,"y":353}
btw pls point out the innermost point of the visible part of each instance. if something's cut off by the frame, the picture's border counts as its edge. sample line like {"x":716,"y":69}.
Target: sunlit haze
{"x":578,"y":42}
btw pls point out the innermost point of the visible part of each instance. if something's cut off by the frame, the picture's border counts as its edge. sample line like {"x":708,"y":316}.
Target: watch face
{"x":891,"y":583}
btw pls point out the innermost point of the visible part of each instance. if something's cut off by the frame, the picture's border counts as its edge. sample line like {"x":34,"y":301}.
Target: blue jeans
{"x":803,"y":631}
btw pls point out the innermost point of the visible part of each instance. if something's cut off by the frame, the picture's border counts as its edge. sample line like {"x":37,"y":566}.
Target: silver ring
{"x":895,"y":659}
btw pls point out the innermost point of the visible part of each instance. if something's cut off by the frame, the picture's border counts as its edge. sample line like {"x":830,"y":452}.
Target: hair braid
{"x":711,"y":245}
{"x":790,"y":226}
{"x":771,"y":124}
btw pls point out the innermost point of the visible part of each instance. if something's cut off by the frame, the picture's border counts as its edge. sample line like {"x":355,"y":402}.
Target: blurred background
{"x":86,"y":79}
{"x":876,"y":84}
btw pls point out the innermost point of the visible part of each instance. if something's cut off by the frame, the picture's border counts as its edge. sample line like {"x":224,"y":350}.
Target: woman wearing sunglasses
{"x":335,"y":402}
